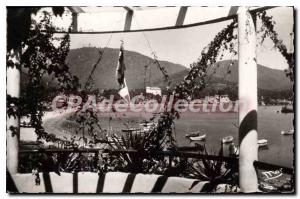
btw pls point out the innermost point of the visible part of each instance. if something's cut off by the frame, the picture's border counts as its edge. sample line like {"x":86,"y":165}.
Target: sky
{"x":182,"y":46}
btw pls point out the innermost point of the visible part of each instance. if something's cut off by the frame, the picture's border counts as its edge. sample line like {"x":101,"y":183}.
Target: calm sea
{"x":218,"y":125}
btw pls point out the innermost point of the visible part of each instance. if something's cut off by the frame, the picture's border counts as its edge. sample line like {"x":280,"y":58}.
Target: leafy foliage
{"x":88,"y":125}
{"x":19,"y":23}
{"x":208,"y":57}
{"x":42,"y":55}
{"x":267,"y":29}
{"x":146,"y":145}
{"x":58,"y":162}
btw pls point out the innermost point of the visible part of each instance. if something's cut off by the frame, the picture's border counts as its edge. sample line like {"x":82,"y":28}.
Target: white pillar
{"x":128,"y":20}
{"x":75,"y":22}
{"x":248,"y":95}
{"x":13,"y":89}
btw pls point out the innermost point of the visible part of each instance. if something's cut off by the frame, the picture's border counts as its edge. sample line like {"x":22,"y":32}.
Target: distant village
{"x":156,"y":93}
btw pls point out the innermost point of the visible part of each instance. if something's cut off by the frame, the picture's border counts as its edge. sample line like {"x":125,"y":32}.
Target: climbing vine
{"x":195,"y":79}
{"x":43,"y":56}
{"x":224,"y":40}
{"x":267,"y":30}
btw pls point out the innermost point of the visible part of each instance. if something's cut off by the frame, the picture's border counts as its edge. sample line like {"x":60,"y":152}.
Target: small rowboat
{"x":227,"y":139}
{"x":289,"y":132}
{"x":262,"y":142}
{"x":198,"y":138}
{"x":287,"y":109}
{"x":147,"y":124}
{"x":192,"y":134}
{"x":233,"y":150}
{"x":130,"y":130}
{"x":236,"y":151}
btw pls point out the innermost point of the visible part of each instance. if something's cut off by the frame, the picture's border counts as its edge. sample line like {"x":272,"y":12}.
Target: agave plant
{"x":132,"y":162}
{"x":75,"y":162}
{"x":215,"y":171}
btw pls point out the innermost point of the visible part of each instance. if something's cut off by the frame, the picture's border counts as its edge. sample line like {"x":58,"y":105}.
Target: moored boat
{"x":289,"y":132}
{"x":147,"y":126}
{"x":145,"y":123}
{"x":262,"y":142}
{"x":227,"y":139}
{"x":192,"y":134}
{"x":287,"y":109}
{"x":130,"y":130}
{"x":198,"y":138}
{"x":234,"y":151}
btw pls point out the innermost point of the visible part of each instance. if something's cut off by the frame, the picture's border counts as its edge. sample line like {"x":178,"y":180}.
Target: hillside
{"x":81,"y":61}
{"x":225,"y":73}
{"x":268,"y":78}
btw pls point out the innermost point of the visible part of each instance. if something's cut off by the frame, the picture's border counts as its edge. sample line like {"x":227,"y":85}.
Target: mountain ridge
{"x":81,"y":60}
